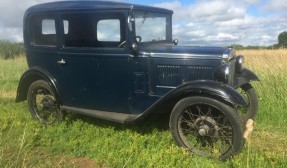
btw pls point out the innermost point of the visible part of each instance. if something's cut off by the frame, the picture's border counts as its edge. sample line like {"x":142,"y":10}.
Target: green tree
{"x":282,"y":39}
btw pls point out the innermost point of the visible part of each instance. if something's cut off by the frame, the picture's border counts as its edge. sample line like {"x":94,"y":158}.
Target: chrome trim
{"x":227,"y":70}
{"x":184,"y":56}
{"x":225,"y":56}
{"x":239,"y":63}
{"x":144,"y":53}
{"x":166,"y":87}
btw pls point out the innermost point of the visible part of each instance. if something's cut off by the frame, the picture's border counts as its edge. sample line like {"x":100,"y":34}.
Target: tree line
{"x":282,"y":43}
{"x":10,"y":50}
{"x":282,"y":40}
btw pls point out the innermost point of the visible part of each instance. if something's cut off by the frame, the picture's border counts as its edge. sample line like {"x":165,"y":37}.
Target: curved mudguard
{"x":208,"y":88}
{"x":244,"y":77}
{"x":31,"y":75}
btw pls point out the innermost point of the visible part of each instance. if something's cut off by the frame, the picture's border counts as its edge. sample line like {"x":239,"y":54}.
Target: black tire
{"x":249,"y":93}
{"x":206,"y":127}
{"x":42,"y":103}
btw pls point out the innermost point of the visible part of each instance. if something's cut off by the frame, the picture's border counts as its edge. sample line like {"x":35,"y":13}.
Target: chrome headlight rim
{"x":239,"y":63}
{"x":226,"y":72}
{"x":222,"y":73}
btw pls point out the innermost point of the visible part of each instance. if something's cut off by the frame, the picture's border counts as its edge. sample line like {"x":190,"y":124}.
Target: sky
{"x":195,"y":22}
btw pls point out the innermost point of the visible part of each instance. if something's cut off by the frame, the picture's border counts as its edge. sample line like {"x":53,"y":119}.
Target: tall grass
{"x":82,"y":141}
{"x":270,"y":65}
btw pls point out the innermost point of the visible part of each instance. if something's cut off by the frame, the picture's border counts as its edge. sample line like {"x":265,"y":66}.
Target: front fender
{"x":207,"y":88}
{"x":31,"y":75}
{"x":244,"y":77}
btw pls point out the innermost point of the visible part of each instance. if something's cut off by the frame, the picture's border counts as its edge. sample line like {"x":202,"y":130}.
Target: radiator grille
{"x":173,"y":75}
{"x":168,"y":75}
{"x":198,"y":72}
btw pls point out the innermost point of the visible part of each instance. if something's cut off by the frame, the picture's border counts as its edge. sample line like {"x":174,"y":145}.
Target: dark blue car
{"x":119,"y":62}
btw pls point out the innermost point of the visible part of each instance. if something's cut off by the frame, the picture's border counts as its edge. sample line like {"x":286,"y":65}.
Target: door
{"x":95,"y":61}
{"x":42,"y":43}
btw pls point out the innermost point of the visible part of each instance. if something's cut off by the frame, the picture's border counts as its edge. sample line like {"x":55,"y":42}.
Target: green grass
{"x":82,"y":141}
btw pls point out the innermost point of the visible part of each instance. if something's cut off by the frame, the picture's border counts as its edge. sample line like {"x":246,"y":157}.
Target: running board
{"x":111,"y":116}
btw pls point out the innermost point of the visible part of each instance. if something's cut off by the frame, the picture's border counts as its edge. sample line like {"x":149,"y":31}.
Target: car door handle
{"x":61,"y":62}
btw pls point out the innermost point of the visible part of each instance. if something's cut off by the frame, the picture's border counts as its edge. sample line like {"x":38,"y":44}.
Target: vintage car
{"x":119,"y":62}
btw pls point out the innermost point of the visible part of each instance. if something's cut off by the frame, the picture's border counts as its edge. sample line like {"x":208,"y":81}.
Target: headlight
{"x":225,"y":58}
{"x":228,"y":54}
{"x":222,"y":73}
{"x":239,"y":64}
{"x":226,"y":70}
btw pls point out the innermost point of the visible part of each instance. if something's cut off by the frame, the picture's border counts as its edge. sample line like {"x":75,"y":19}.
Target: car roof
{"x":90,"y":5}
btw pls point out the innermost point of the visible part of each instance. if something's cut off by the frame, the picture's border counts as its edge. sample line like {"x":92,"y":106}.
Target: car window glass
{"x":151,"y":26}
{"x":109,"y":30}
{"x":151,"y":29}
{"x":43,"y":32}
{"x":48,"y":27}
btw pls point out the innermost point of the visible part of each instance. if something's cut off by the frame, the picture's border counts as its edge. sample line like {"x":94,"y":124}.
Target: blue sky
{"x":195,"y":22}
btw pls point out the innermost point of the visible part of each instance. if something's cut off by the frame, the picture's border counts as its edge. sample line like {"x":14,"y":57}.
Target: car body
{"x":118,"y":61}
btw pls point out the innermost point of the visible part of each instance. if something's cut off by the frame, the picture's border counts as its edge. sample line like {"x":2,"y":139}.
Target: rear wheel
{"x":249,"y":112}
{"x":206,"y":127}
{"x":43,"y":104}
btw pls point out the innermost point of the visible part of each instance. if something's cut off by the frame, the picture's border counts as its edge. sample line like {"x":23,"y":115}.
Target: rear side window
{"x":43,"y":32}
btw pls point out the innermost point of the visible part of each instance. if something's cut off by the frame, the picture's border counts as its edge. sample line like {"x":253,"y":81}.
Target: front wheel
{"x":43,"y":104}
{"x":249,"y":112}
{"x":206,"y":127}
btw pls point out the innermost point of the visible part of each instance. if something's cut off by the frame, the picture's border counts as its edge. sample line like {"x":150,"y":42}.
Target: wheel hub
{"x":202,"y":132}
{"x":206,"y":126}
{"x":47,"y":103}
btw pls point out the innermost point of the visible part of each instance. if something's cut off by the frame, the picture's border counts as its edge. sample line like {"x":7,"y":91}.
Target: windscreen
{"x":151,"y":26}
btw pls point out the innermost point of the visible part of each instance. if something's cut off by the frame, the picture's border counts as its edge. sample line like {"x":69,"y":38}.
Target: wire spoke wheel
{"x":43,"y":104}
{"x":206,"y":127}
{"x":209,"y":133}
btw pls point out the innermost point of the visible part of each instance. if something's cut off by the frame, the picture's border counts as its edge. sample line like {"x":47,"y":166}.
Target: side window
{"x":48,"y":27}
{"x":109,"y":30}
{"x":43,"y":32}
{"x":94,"y":30}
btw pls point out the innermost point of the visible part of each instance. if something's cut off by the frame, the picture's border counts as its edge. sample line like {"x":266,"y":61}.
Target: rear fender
{"x":30,"y":76}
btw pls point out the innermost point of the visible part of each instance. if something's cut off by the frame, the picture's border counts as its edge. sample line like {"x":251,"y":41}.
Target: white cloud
{"x":215,"y":11}
{"x":202,"y":22}
{"x":277,"y":6}
{"x":253,"y":2}
{"x":11,"y":18}
{"x":196,"y":33}
{"x":220,"y":22}
{"x":13,"y":34}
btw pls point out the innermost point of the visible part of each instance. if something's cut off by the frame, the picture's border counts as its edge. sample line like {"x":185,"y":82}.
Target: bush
{"x":10,"y":50}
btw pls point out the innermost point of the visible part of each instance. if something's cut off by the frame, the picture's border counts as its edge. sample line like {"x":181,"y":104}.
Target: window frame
{"x":103,"y":15}
{"x":168,"y":26}
{"x":30,"y":41}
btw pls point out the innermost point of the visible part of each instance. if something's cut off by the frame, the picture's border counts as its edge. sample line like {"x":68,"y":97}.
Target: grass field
{"x":88,"y":142}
